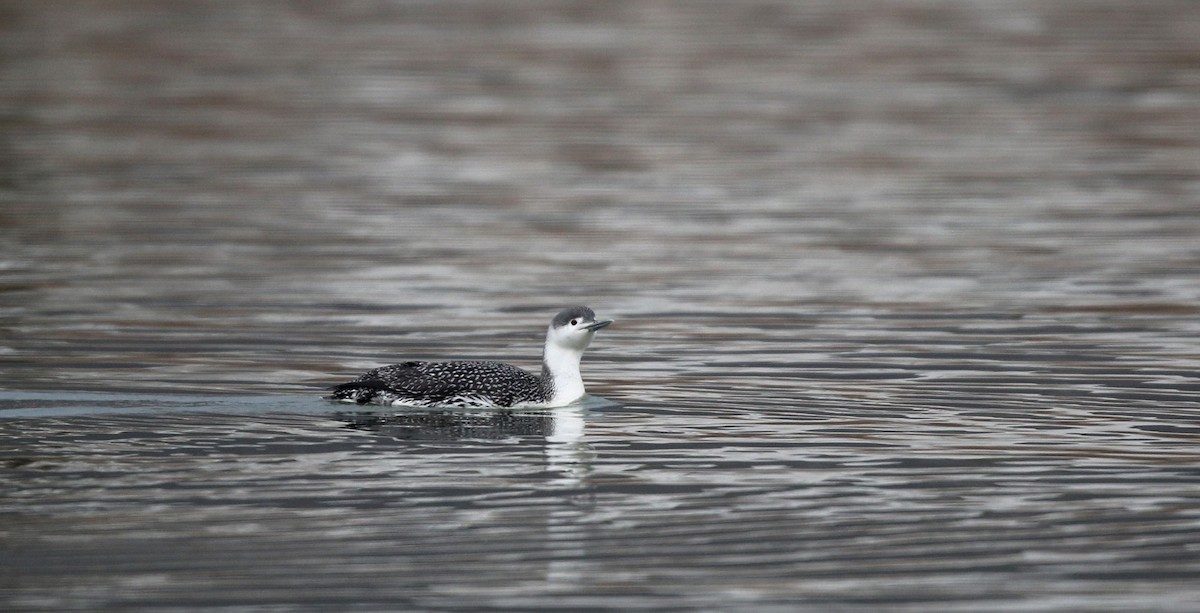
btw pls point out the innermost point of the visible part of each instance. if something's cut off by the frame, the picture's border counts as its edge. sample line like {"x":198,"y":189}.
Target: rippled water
{"x":907,"y":300}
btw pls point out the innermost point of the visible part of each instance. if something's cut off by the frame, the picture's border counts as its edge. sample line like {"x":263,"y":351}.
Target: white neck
{"x":561,"y":365}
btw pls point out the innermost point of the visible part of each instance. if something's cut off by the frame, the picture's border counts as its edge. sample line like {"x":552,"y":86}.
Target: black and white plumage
{"x":482,"y":383}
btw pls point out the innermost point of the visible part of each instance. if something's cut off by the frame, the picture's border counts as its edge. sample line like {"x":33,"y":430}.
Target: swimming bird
{"x":485,"y":383}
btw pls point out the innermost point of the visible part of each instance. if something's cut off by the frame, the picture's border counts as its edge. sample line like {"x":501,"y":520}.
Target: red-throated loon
{"x":485,"y":384}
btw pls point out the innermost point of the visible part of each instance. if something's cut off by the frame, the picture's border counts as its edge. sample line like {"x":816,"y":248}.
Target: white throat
{"x":561,"y":365}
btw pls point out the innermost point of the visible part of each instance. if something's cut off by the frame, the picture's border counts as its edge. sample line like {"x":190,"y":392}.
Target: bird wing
{"x":438,"y":382}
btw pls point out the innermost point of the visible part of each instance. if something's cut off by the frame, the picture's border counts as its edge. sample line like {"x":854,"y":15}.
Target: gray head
{"x":574,"y":327}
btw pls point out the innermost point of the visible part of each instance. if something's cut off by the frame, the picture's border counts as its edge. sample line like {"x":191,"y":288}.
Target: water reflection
{"x":446,"y":425}
{"x":559,"y":432}
{"x":568,"y":462}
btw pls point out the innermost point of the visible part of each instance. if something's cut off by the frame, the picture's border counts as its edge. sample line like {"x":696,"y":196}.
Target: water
{"x":906,"y":300}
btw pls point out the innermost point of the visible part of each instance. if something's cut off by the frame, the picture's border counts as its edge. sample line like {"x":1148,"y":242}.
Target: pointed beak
{"x":596,"y":325}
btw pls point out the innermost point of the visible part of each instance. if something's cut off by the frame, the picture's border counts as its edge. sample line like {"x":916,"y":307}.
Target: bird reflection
{"x":559,"y":432}
{"x":446,"y":425}
{"x":569,"y":462}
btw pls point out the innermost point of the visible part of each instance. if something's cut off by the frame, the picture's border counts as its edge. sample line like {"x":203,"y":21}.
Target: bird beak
{"x":596,"y":325}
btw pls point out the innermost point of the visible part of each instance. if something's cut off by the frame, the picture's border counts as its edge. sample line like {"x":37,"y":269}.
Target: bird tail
{"x":362,"y":392}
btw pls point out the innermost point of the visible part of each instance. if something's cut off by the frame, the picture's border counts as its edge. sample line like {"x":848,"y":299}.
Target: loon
{"x":483,"y":383}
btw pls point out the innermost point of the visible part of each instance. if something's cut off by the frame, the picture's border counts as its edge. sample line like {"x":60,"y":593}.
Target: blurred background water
{"x":907,"y":301}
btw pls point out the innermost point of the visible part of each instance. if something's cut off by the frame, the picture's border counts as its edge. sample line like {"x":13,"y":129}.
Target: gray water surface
{"x":907,"y":300}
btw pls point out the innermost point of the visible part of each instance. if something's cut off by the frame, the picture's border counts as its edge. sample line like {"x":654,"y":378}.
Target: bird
{"x":485,"y":384}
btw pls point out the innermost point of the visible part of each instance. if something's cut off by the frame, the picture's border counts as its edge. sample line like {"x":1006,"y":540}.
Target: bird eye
{"x":574,"y":322}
